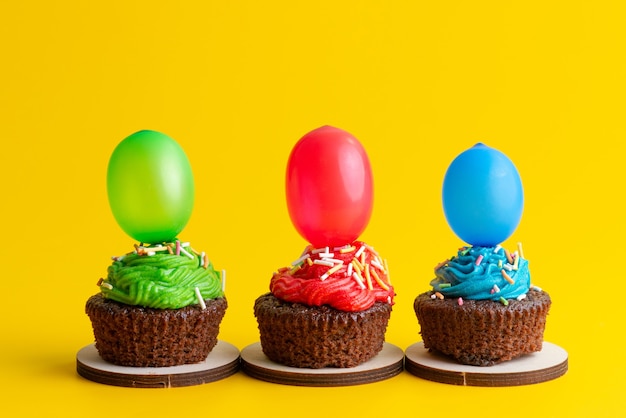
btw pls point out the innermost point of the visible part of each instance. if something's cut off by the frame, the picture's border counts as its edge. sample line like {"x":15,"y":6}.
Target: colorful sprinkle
{"x":301,"y":260}
{"x":439,"y":295}
{"x":444,"y":285}
{"x":508,"y":256}
{"x":380,"y":281}
{"x":504,"y":301}
{"x":519,"y":248}
{"x":200,"y":299}
{"x":495,"y":289}
{"x":177,"y":247}
{"x":99,"y":282}
{"x":479,"y":259}
{"x":347,"y":249}
{"x":368,"y":277}
{"x":507,"y":277}
{"x":330,"y":272}
{"x":460,"y":301}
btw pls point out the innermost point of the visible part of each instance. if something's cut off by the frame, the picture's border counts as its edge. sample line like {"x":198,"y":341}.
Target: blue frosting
{"x":461,"y":277}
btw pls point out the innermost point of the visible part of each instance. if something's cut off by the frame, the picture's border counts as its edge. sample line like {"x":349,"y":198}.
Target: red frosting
{"x":360,"y":280}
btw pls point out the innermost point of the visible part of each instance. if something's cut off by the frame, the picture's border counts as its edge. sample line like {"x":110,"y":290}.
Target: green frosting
{"x":162,"y":280}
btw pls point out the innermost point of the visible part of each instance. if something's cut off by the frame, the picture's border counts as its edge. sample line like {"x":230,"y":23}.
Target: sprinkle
{"x":479,"y":259}
{"x":350,"y":265}
{"x":294,"y":269}
{"x":380,"y":281}
{"x":323,"y":263}
{"x":158,"y":248}
{"x":320,"y":250}
{"x":347,"y":249}
{"x":306,"y":250}
{"x":440,"y":265}
{"x":495,"y":289}
{"x":360,"y":251}
{"x":169,"y":249}
{"x":444,"y":285}
{"x":223,"y":280}
{"x":465,"y":250}
{"x":184,"y":244}
{"x":499,"y":263}
{"x":177,"y":247}
{"x":537,"y":288}
{"x":330,"y":272}
{"x":439,"y":295}
{"x":200,"y":299}
{"x":358,"y":279}
{"x":358,"y":266}
{"x":309,"y":261}
{"x":519,"y":248}
{"x":107,"y":285}
{"x":516,"y":264}
{"x":504,"y":301}
{"x":377,"y":264}
{"x":118,"y":258}
{"x":508,"y":256}
{"x":507,"y":277}
{"x":100,"y":281}
{"x":326,"y":255}
{"x":301,"y":259}
{"x":368,"y":277}
{"x":522,"y":296}
{"x":460,"y":301}
{"x":187,"y":253}
{"x":433,"y":296}
{"x":362,"y":259}
{"x":387,"y":270}
{"x":496,"y":249}
{"x":508,"y":267}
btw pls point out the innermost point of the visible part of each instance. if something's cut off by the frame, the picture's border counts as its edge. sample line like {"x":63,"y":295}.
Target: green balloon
{"x":150,"y":187}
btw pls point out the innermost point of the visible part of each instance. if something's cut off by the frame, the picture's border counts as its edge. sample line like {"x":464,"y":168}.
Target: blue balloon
{"x":483,"y":198}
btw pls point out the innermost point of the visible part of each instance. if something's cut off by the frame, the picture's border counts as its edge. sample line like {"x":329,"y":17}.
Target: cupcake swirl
{"x":351,"y":279}
{"x":154,"y":278}
{"x":483,"y":273}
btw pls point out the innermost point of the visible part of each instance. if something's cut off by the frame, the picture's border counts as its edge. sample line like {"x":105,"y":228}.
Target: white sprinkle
{"x":326,"y":255}
{"x":522,"y":296}
{"x":151,"y":253}
{"x":433,"y":296}
{"x":497,"y":248}
{"x":320,"y":250}
{"x":378,"y":265}
{"x":519,"y":247}
{"x":184,"y":244}
{"x":508,"y":267}
{"x":359,"y":251}
{"x":223,"y":280}
{"x":202,"y":255}
{"x":301,"y":259}
{"x":537,"y":288}
{"x":349,"y":269}
{"x":185,"y":252}
{"x":200,"y":299}
{"x":107,"y":285}
{"x":389,"y":300}
{"x":323,"y":263}
{"x":496,"y":288}
{"x":358,"y":280}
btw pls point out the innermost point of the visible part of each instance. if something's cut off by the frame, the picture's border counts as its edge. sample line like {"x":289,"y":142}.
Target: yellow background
{"x":236,"y":84}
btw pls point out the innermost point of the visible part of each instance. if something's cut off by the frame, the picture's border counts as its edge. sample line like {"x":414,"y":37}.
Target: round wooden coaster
{"x":388,"y":363}
{"x":547,"y":364}
{"x":221,"y":362}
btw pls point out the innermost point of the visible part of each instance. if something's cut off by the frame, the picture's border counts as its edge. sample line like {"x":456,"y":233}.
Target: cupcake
{"x":331,"y":306}
{"x":162,"y":303}
{"x":482,"y":309}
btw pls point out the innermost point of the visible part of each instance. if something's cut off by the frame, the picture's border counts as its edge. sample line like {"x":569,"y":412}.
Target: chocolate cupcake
{"x":482,"y":310}
{"x":313,"y":319}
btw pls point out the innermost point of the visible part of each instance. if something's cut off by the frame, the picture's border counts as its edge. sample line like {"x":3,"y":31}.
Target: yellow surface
{"x":236,"y":84}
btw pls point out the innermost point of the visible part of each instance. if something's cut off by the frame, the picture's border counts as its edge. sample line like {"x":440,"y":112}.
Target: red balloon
{"x":329,"y":187}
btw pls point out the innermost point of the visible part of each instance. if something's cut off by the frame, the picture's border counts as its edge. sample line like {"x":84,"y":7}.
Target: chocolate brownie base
{"x":144,"y":337}
{"x":297,"y":335}
{"x":483,"y":332}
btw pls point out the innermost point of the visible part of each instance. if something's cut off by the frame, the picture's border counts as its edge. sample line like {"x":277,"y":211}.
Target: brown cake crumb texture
{"x":483,"y":333}
{"x":144,"y":337}
{"x":297,"y":335}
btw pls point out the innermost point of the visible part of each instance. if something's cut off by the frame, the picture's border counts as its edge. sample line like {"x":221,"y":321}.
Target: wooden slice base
{"x":221,"y":362}
{"x":547,"y":364}
{"x":388,"y":363}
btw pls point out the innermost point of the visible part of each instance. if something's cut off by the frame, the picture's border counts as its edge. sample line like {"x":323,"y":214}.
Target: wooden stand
{"x":547,"y":364}
{"x":221,"y":362}
{"x":388,"y":363}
